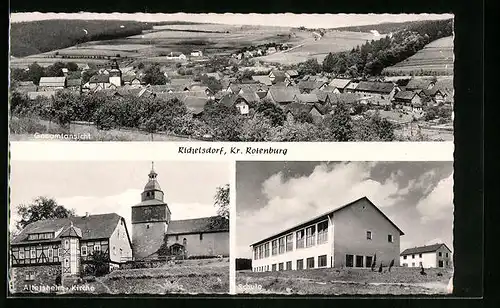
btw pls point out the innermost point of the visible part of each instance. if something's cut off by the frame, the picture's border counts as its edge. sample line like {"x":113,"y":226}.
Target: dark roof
{"x":228,"y":99}
{"x":326,"y":214}
{"x":431,"y":92}
{"x":71,"y":231}
{"x":423,"y":249}
{"x":195,"y":104}
{"x":418,"y":83}
{"x":278,"y":73}
{"x":283,"y":94}
{"x":74,"y":82}
{"x":307,"y":98}
{"x":375,"y":87}
{"x":198,"y":225}
{"x":263,"y":79}
{"x":346,"y":98}
{"x":92,"y":227}
{"x":99,"y":78}
{"x":320,"y":94}
{"x":444,"y":83}
{"x":405,"y":95}
{"x":129,"y":78}
{"x":297,"y":108}
{"x":309,"y":85}
{"x":52,"y":81}
{"x":292,"y":73}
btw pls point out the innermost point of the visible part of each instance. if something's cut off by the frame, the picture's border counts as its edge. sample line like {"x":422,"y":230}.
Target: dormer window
{"x":40,"y":236}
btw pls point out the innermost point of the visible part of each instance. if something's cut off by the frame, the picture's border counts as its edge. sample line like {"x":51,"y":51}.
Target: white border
{"x":296,"y":151}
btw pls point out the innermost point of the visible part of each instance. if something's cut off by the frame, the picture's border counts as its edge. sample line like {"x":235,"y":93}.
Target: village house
{"x":409,"y":100}
{"x":201,"y":88}
{"x":271,"y":50}
{"x":173,"y":55}
{"x":306,"y":86}
{"x":291,"y":74}
{"x":346,"y":236}
{"x":434,"y":94}
{"x":384,"y":90}
{"x":420,"y":84}
{"x":51,"y":83}
{"x":351,"y":87}
{"x":265,"y":80}
{"x":431,"y":256}
{"x":131,"y":80}
{"x":282,"y":95}
{"x":99,"y":82}
{"x":322,"y":96}
{"x":340,"y":84}
{"x":196,"y":53}
{"x":306,"y":99}
{"x":236,"y":100}
{"x":74,"y":85}
{"x":62,"y":247}
{"x":277,"y":76}
{"x":294,"y":110}
{"x":155,"y":234}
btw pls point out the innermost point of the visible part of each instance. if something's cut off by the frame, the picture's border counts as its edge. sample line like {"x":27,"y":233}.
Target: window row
{"x":32,"y":253}
{"x":299,"y":265}
{"x":41,"y":236}
{"x":420,"y":255}
{"x":358,"y":260}
{"x":313,"y":235}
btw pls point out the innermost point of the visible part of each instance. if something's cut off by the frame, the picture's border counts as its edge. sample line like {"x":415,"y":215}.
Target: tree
{"x":212,"y":83}
{"x":86,"y":75}
{"x":154,"y":76}
{"x":271,"y":111}
{"x":221,"y":201}
{"x":67,"y":107}
{"x":374,"y":262}
{"x":329,"y":63}
{"x":40,"y":209}
{"x":98,"y":264}
{"x":72,"y":66}
{"x":55,"y":70}
{"x":304,"y":117}
{"x":311,"y":66}
{"x":35,"y":72}
{"x":340,"y":124}
{"x":391,"y":264}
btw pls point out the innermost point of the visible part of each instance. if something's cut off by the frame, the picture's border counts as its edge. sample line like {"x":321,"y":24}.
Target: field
{"x":434,"y":57}
{"x":400,"y":281}
{"x":213,"y":39}
{"x":189,"y":277}
{"x":334,"y":41}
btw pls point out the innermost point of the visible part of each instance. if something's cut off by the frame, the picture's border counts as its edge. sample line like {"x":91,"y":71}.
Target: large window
{"x":310,"y":236}
{"x":21,"y":254}
{"x":273,"y":267}
{"x":368,"y":235}
{"x":261,"y":252}
{"x":33,"y":253}
{"x":280,"y":266}
{"x":84,"y":251}
{"x":322,"y":261}
{"x":50,"y":252}
{"x":275,"y":247}
{"x":300,"y":239}
{"x":404,"y":257}
{"x":281,"y":242}
{"x":266,"y":250}
{"x":255,"y":255}
{"x":310,"y":262}
{"x":359,"y":261}
{"x":289,"y":265}
{"x":369,"y":260}
{"x":323,"y":232}
{"x":349,"y":260}
{"x":390,"y":239}
{"x":300,"y":264}
{"x":289,"y":242}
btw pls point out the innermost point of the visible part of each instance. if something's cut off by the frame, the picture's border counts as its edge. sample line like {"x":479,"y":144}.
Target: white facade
{"x":439,"y":258}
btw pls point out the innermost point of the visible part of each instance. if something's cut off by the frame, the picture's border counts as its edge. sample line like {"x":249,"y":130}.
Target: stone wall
{"x":43,"y":276}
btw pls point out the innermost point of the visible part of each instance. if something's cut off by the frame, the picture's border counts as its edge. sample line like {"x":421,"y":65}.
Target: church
{"x":53,"y":251}
{"x":155,"y":235}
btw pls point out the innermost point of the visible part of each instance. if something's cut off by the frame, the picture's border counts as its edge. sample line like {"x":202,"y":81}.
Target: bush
{"x":98,"y":265}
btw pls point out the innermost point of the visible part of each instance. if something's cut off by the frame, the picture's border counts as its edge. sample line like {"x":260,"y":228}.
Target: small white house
{"x":176,"y":56}
{"x":436,"y":255}
{"x":197,"y":53}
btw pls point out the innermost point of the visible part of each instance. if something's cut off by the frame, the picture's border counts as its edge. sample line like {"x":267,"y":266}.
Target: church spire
{"x":152,"y":174}
{"x":152,"y":190}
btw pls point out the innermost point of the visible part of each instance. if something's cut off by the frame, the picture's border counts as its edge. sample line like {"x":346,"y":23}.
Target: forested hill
{"x":28,"y":38}
{"x":373,"y":56}
{"x":388,"y":27}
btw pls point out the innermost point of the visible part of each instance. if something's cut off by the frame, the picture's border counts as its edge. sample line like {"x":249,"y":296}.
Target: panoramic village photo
{"x":231,"y":77}
{"x":344,"y":228}
{"x":130,"y":227}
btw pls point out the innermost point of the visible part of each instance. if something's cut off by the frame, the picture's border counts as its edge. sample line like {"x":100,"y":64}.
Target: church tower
{"x":150,"y":219}
{"x":115,"y":75}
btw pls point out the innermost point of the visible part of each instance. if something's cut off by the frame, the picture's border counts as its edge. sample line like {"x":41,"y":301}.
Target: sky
{"x":273,"y":196}
{"x":114,"y":187}
{"x":282,"y":20}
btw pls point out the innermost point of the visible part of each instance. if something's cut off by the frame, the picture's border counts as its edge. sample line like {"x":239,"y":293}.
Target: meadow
{"x":436,"y":56}
{"x":332,"y":281}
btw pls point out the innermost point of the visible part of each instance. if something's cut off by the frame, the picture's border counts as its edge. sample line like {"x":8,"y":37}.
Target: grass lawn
{"x":399,"y":281}
{"x":207,"y":276}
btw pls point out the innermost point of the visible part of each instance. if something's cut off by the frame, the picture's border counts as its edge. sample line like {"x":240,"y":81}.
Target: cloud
{"x":438,"y":203}
{"x":290,"y":201}
{"x":122,"y":203}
